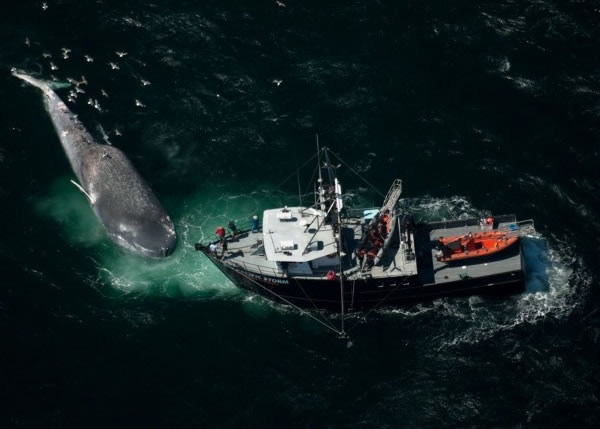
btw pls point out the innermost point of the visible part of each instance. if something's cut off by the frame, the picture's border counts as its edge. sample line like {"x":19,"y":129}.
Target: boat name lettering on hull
{"x":264,"y":278}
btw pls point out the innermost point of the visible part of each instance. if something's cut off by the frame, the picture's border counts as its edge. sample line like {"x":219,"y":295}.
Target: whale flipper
{"x":78,"y":186}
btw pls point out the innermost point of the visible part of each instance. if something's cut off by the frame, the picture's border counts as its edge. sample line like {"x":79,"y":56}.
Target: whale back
{"x":122,"y":199}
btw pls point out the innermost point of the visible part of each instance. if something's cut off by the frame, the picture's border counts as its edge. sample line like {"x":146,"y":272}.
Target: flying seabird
{"x":113,"y":66}
{"x":145,"y":82}
{"x":44,"y":6}
{"x":53,"y":66}
{"x":277,"y":82}
{"x":89,"y":59}
{"x":138,"y":103}
{"x":121,"y":54}
{"x":104,"y":93}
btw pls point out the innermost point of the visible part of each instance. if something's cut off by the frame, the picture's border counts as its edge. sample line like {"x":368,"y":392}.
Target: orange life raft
{"x":479,"y":244}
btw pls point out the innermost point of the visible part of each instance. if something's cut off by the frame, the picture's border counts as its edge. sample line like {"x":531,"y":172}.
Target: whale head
{"x":146,"y":237}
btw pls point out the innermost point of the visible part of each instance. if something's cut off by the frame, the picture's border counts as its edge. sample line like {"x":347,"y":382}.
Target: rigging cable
{"x":330,"y":327}
{"x":377,"y":305}
{"x":355,"y":172}
{"x":295,"y":171}
{"x":311,"y":301}
{"x":312,"y":180}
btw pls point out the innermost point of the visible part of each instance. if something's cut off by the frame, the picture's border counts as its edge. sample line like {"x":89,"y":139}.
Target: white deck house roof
{"x":297,"y":234}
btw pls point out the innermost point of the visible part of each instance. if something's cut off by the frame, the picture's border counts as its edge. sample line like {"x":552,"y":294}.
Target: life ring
{"x":330,"y":275}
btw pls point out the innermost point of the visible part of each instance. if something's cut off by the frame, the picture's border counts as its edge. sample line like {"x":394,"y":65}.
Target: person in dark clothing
{"x":233,"y":228}
{"x":224,"y":246}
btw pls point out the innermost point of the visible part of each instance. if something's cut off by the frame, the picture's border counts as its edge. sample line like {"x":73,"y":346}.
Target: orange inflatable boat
{"x":474,"y":245}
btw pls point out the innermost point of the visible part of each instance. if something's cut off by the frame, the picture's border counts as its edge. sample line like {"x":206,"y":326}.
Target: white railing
{"x":521,"y":228}
{"x":243,"y":227}
{"x":254,"y":268}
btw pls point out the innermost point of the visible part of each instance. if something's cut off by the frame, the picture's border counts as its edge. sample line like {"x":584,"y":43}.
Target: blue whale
{"x":121,"y":199}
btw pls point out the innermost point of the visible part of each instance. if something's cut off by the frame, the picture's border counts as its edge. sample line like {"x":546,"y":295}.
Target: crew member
{"x":223,"y":245}
{"x":255,"y":223}
{"x":233,"y":228}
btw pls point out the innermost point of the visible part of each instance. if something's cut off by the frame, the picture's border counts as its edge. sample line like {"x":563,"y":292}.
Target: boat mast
{"x":299,"y":189}
{"x":337,"y":201}
{"x":320,"y":180}
{"x":339,"y":221}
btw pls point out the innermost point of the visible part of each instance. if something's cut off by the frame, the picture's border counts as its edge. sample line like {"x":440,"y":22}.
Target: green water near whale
{"x":487,"y":106}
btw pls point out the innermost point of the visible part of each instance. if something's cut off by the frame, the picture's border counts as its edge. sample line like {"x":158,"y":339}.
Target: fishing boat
{"x":329,"y":256}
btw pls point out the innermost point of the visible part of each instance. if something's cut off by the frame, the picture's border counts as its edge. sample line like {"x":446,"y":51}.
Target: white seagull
{"x":277,"y":82}
{"x":280,"y":4}
{"x":120,"y":54}
{"x":89,"y":59}
{"x":138,"y":103}
{"x":104,"y":93}
{"x":145,"y":82}
{"x":28,"y":42}
{"x":44,"y":6}
{"x":117,"y":132}
{"x":47,"y":55}
{"x":113,"y":66}
{"x":53,"y":66}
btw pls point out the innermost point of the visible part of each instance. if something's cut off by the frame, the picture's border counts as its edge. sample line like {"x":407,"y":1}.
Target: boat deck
{"x":432,"y":271}
{"x":246,"y":251}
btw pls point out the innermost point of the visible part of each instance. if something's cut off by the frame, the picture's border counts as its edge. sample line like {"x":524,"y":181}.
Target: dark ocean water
{"x":490,"y":105}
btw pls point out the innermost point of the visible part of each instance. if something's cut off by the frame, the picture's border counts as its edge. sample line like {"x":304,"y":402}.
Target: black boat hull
{"x":362,"y":294}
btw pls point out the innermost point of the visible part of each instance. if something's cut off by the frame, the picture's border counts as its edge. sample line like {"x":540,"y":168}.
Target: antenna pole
{"x":338,"y":207}
{"x":321,"y":196}
{"x":299,"y":189}
{"x":343,"y":332}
